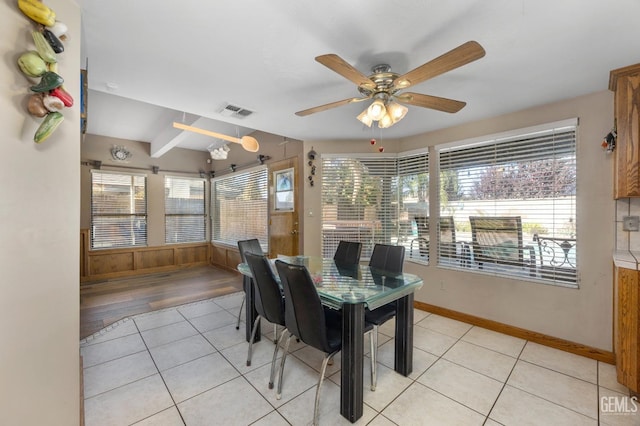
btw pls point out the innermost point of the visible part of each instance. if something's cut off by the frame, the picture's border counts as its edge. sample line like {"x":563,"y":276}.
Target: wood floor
{"x":104,"y":302}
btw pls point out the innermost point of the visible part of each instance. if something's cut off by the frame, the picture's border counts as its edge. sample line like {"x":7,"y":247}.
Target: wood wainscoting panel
{"x":109,"y":263}
{"x":197,"y":254}
{"x":154,"y":258}
{"x":226,"y":257}
{"x":124,"y":262}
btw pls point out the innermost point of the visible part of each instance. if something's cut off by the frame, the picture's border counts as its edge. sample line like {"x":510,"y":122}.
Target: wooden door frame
{"x":291,"y":162}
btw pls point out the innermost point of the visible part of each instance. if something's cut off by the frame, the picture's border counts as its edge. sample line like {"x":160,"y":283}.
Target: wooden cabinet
{"x":625,"y":83}
{"x":627,"y":327}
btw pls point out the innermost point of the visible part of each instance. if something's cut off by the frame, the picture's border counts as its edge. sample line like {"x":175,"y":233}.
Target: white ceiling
{"x":150,"y":62}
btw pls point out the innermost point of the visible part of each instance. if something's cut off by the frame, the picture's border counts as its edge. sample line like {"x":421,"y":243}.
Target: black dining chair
{"x":390,"y":259}
{"x":269,"y":302}
{"x":348,"y":253}
{"x":308,"y":320}
{"x":247,"y":246}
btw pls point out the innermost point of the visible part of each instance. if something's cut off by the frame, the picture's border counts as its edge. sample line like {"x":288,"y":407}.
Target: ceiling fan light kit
{"x":384,"y":86}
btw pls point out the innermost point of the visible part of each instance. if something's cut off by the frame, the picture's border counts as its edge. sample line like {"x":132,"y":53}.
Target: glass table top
{"x":338,"y":284}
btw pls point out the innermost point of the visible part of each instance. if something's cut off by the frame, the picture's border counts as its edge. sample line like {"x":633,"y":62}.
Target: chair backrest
{"x":422,"y":226}
{"x":304,"y":314}
{"x":387,"y":257}
{"x":497,"y":239}
{"x":268,"y":297}
{"x":348,"y":253}
{"x":249,"y":246}
{"x":447,"y":233}
{"x":557,"y":257}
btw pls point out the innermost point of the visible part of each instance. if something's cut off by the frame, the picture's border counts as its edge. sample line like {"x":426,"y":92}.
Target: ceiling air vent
{"x":235,"y":111}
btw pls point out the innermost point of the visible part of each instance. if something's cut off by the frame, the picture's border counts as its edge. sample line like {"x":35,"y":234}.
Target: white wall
{"x":583,"y":315}
{"x":39,"y":244}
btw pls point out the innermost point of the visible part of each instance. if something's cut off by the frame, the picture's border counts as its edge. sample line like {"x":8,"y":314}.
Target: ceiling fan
{"x":385,"y":87}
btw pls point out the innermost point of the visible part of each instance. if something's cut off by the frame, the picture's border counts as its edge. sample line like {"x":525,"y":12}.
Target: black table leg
{"x":250,"y":310}
{"x":351,"y":394}
{"x":403,"y":362}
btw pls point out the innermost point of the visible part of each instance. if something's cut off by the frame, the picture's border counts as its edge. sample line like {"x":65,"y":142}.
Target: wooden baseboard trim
{"x":543,"y":339}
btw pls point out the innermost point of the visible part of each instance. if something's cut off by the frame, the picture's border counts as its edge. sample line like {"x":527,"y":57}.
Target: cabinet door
{"x":628,"y":328}
{"x":627,"y":153}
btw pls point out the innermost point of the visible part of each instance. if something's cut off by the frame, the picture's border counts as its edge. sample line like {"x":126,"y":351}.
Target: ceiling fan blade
{"x":342,"y":67}
{"x":325,"y":107}
{"x":432,"y":102}
{"x":461,"y":55}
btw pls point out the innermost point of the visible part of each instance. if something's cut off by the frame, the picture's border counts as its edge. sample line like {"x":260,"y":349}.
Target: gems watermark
{"x":619,"y":405}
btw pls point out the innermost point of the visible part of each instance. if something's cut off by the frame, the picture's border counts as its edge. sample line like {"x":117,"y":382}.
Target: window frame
{"x":262,"y":206}
{"x":356,"y":223}
{"x":186,"y":214}
{"x":139,"y":215}
{"x":524,"y":137}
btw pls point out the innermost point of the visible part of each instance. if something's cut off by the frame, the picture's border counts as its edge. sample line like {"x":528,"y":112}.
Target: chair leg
{"x":284,"y":357}
{"x":253,"y":335}
{"x":373,"y":339}
{"x":275,"y":334}
{"x":272,"y":376}
{"x":240,"y":312}
{"x":322,"y":371}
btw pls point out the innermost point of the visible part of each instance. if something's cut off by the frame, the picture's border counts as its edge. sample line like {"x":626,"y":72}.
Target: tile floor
{"x":186,"y":366}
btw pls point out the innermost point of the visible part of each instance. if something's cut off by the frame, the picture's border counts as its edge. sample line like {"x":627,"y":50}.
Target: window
{"x":240,"y":207}
{"x":520,"y":193}
{"x":118,"y":210}
{"x":372,"y":200}
{"x":184,"y":208}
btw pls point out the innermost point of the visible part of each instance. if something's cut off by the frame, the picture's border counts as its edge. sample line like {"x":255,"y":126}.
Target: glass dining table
{"x":352,"y":289}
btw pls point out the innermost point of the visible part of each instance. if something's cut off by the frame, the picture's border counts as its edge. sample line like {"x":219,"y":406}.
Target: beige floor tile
{"x":226,"y":404}
{"x":431,"y":341}
{"x":231,"y":302}
{"x":561,"y":361}
{"x":607,"y":378}
{"x":482,"y":360}
{"x":419,"y":405}
{"x":212,"y":321}
{"x":199,"y":309}
{"x":444,"y":325}
{"x":181,"y":351}
{"x":121,"y":328}
{"x":111,"y":349}
{"x":498,"y":342}
{"x":299,"y":411}
{"x":157,"y":319}
{"x":194,"y":377}
{"x":119,"y":372}
{"x":272,"y":419}
{"x":296,"y":379}
{"x":168,"y":417}
{"x":381,"y":420}
{"x":421,"y":359}
{"x":569,"y":392}
{"x":618,"y":409}
{"x":124,"y":406}
{"x":226,"y":336}
{"x":516,"y":407}
{"x":390,"y":385}
{"x":168,"y":333}
{"x":465,"y":386}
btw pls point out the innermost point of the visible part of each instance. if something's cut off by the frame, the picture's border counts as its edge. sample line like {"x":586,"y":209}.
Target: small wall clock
{"x":120,"y":153}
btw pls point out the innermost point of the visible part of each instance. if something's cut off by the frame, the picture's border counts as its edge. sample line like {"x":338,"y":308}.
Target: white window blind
{"x":118,"y":210}
{"x":525,"y":182}
{"x":240,"y":207}
{"x":371,"y":200}
{"x":184,"y":208}
{"x":413,"y":206}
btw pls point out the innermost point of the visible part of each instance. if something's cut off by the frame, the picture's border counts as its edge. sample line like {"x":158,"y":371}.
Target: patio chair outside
{"x":498,"y":240}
